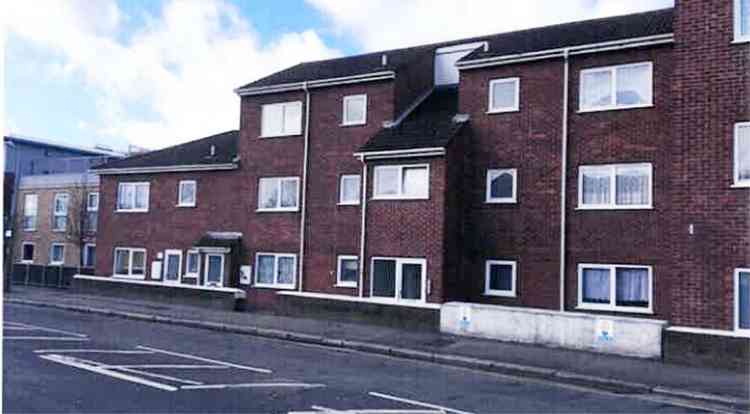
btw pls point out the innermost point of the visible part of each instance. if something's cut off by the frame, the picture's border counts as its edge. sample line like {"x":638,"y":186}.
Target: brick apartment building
{"x":419,"y":176}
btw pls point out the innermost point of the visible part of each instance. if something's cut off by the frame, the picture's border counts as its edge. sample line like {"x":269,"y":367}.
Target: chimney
{"x":384,"y":60}
{"x":213,"y":150}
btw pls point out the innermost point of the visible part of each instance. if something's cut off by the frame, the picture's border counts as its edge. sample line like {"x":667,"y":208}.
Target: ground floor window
{"x":214,"y":273}
{"x":130,"y":262}
{"x":500,"y":278}
{"x":398,"y":278}
{"x":742,"y":300}
{"x":624,"y":288}
{"x":27,"y":253}
{"x":172,"y":266}
{"x":89,"y":255}
{"x":347,"y":273}
{"x":57,"y":254}
{"x":192,"y":263}
{"x":275,"y":270}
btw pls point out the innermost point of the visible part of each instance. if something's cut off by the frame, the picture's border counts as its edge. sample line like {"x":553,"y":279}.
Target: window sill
{"x":131,"y":211}
{"x":397,"y":198}
{"x":624,"y":208}
{"x":277,"y":210}
{"x":500,"y":294}
{"x":29,"y":230}
{"x":185,"y":205}
{"x":58,"y":230}
{"x":353,"y":124}
{"x":740,"y":185}
{"x":501,"y":201}
{"x":348,"y":204}
{"x":607,"y":308}
{"x":56,"y":263}
{"x":346,"y":285}
{"x":275,"y":287}
{"x":26,"y":262}
{"x":135,"y":277}
{"x":502,"y":111}
{"x":614,"y":108}
{"x":296,"y":134}
{"x":741,"y":40}
{"x":190,"y":276}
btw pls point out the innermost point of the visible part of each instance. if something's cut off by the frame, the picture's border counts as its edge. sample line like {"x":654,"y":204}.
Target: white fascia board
{"x":408,"y":153}
{"x":166,"y":168}
{"x":298,"y":86}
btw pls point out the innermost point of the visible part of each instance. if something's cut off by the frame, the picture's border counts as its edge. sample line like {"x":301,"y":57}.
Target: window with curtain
{"x":615,"y":287}
{"x":616,"y":87}
{"x":355,"y":110}
{"x":742,"y":154}
{"x":281,"y":119}
{"x":132,"y":197}
{"x":275,"y":270}
{"x":401,"y":182}
{"x":30,"y":210}
{"x":349,"y":190}
{"x":186,"y":193}
{"x":278,"y":194}
{"x":348,"y":271}
{"x":60,"y":212}
{"x":742,"y":20}
{"x":615,"y":186}
{"x":504,"y":95}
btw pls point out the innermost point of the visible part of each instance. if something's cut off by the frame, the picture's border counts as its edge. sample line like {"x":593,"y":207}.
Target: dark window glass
{"x":384,"y":278}
{"x":411,"y":281}
{"x":501,"y":277}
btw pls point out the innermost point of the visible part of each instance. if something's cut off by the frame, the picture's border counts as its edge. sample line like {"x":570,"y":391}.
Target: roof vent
{"x":213,"y":150}
{"x":384,"y":60}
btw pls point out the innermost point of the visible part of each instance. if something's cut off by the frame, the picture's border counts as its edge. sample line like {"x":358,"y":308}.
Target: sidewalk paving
{"x":539,"y":361}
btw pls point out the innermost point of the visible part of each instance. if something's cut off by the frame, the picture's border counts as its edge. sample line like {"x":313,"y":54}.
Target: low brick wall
{"x":705,"y":350}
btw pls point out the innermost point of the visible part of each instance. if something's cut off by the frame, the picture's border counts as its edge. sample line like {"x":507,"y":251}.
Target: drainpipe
{"x":363,"y":186}
{"x":304,"y":188}
{"x":563,"y":175}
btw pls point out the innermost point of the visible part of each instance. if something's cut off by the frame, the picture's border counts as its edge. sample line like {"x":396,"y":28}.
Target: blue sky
{"x":157,"y":73}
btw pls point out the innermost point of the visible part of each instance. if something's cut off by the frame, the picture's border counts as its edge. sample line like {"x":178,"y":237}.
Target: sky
{"x":158,"y":73}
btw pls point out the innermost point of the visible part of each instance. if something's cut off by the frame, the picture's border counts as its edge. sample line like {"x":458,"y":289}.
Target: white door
{"x":172,"y":266}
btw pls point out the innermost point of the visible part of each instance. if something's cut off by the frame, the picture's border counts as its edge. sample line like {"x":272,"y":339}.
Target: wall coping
{"x":238,"y":293}
{"x":706,"y":331}
{"x":346,"y":298}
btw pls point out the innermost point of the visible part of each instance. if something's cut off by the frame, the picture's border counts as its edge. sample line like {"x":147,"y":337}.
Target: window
{"x":742,"y":154}
{"x":402,"y":181}
{"x":60,"y":212}
{"x":27,"y":252}
{"x":186,"y":194}
{"x":89,"y":255}
{"x":355,"y":110}
{"x":347,"y":273}
{"x":281,"y":119}
{"x":742,"y":300}
{"x":500,"y":278}
{"x":275,"y":270}
{"x":349,"y":190}
{"x":192,"y":264}
{"x":214,"y":275}
{"x":616,"y":87}
{"x":30,"y":209}
{"x":615,"y":287}
{"x":504,"y":95}
{"x":742,"y":20}
{"x":501,"y":186}
{"x":616,"y":186}
{"x":57,"y":254}
{"x":172,"y":266}
{"x":132,"y":197}
{"x":398,"y":279}
{"x":278,"y":194}
{"x":92,"y":211}
{"x":92,"y":202}
{"x":130,"y":262}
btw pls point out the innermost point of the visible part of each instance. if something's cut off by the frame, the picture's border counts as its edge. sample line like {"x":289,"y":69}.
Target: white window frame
{"x":33,"y":253}
{"x":738,"y":36}
{"x":343,"y":178}
{"x":400,"y":195}
{"x":339,"y":262}
{"x":205,"y":271}
{"x":179,"y":193}
{"x":130,"y":251}
{"x":612,"y":305}
{"x":743,"y":332}
{"x":56,"y":262}
{"x":347,"y":122}
{"x":56,"y":214}
{"x":491,"y":173}
{"x":189,"y":275}
{"x":736,"y":169}
{"x":283,"y":132}
{"x":612,"y":171}
{"x":399,"y":282}
{"x":278,"y":184}
{"x":92,"y":195}
{"x":167,"y":253}
{"x":275,"y":284}
{"x":613,"y":91}
{"x":86,"y":253}
{"x":495,"y":292}
{"x":36,"y":211}
{"x":135,"y":190}
{"x":496,"y":110}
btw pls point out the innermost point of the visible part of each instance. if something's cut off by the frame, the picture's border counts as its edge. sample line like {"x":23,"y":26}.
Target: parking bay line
{"x":162,"y":376}
{"x":253,"y":385}
{"x":166,"y":366}
{"x":414,"y":402}
{"x":91,"y":351}
{"x":327,"y":410}
{"x":197,"y":358}
{"x":41,"y":328}
{"x":46,"y":338}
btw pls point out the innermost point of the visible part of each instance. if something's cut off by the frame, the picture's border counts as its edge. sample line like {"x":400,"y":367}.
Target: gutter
{"x":303,"y":204}
{"x":362,"y":239}
{"x":166,"y":168}
{"x":563,"y":175}
{"x":320,"y":83}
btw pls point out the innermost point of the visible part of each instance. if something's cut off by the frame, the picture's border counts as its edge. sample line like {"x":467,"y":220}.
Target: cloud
{"x":170,"y":79}
{"x":385,"y":24}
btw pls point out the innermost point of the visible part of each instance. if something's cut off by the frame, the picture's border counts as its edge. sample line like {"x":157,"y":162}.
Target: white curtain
{"x":632,"y":186}
{"x":743,"y":151}
{"x":596,"y":188}
{"x":269,"y":194}
{"x":415,"y":181}
{"x":289,"y":193}
{"x":265,"y":269}
{"x":596,"y":285}
{"x":597,"y":89}
{"x":634,"y":85}
{"x":632,"y":287}
{"x":286,"y":270}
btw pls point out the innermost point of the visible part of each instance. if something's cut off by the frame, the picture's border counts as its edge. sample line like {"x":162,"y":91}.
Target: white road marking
{"x":320,"y":409}
{"x":17,"y":328}
{"x":92,"y":351}
{"x":46,"y":338}
{"x":253,"y":385}
{"x":41,"y":328}
{"x":197,"y":358}
{"x":162,"y":376}
{"x":61,"y":359}
{"x":419,"y":403}
{"x":170,"y":366}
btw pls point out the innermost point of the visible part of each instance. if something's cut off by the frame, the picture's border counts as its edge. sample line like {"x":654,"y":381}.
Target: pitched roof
{"x":196,"y":152}
{"x":43,"y":142}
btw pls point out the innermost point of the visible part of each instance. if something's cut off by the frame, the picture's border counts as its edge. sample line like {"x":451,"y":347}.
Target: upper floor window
{"x":742,"y":154}
{"x":60,"y":212}
{"x":615,"y":186}
{"x":501,"y":186}
{"x":402,"y":182}
{"x":355,"y":110}
{"x":92,"y":211}
{"x":186,"y":193}
{"x":278,"y":194}
{"x":349,"y":190}
{"x":616,"y":87}
{"x":92,"y":202}
{"x":504,"y":95}
{"x":281,"y":119}
{"x":30,"y":210}
{"x":615,"y":287}
{"x":132,"y":197}
{"x":742,"y":20}
{"x":742,"y":300}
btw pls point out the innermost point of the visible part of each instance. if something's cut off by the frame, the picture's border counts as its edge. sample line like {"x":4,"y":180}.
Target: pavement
{"x":727,"y":389}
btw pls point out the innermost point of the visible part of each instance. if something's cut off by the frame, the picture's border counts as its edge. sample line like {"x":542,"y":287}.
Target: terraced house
{"x":584,"y":184}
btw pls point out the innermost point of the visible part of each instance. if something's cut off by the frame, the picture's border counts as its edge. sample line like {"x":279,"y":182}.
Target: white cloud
{"x":170,"y":80}
{"x":385,"y":24}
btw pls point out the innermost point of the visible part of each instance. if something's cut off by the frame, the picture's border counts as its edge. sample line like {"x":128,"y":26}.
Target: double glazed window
{"x":616,"y":87}
{"x":742,"y":300}
{"x":192,"y":264}
{"x":30,"y":210}
{"x":89,"y":255}
{"x":742,"y":154}
{"x":402,"y":182}
{"x":398,"y":279}
{"x":615,"y":287}
{"x":92,"y":211}
{"x":504,"y":95}
{"x":501,"y":186}
{"x":57,"y":254}
{"x":186,"y":193}
{"x":500,"y":278}
{"x":275,"y":270}
{"x":349,"y":190}
{"x":347,"y":273}
{"x":281,"y":119}
{"x":355,"y":110}
{"x":742,"y":20}
{"x":130,"y":262}
{"x":278,"y":194}
{"x":615,"y":186}
{"x":60,"y":212}
{"x":132,"y":197}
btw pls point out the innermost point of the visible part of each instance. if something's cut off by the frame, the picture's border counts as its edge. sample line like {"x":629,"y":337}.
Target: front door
{"x":214,"y":270}
{"x":398,"y":279}
{"x":172,"y":266}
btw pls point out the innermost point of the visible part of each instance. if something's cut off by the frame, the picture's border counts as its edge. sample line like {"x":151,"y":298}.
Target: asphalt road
{"x":59,"y":361}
